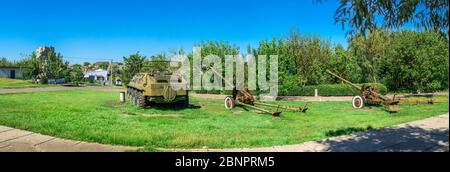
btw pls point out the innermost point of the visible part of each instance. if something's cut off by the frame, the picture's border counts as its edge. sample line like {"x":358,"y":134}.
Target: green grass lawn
{"x":6,"y":83}
{"x":98,"y":117}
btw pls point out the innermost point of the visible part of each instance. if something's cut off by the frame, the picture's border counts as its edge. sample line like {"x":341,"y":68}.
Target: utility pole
{"x":110,"y":71}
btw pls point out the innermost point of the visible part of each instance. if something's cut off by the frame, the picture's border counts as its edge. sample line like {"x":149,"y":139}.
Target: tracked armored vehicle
{"x":147,"y":89}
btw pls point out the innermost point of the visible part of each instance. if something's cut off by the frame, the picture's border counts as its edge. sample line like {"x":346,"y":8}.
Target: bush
{"x":324,"y":90}
{"x":327,"y":90}
{"x":207,"y":91}
{"x":415,"y":61}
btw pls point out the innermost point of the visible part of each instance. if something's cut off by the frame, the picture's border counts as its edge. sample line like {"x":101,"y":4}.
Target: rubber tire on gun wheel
{"x":358,"y":102}
{"x":229,"y":102}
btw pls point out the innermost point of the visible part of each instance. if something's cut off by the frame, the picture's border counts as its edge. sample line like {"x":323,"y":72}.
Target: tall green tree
{"x":51,"y":65}
{"x":301,"y":59}
{"x":368,"y":50}
{"x":29,"y":67}
{"x":86,"y":66}
{"x":75,"y":73}
{"x":5,"y":62}
{"x":218,"y":48}
{"x":102,"y":65}
{"x":368,"y":15}
{"x":132,"y":65}
{"x":157,"y":63}
{"x":343,"y":64}
{"x":45,"y":65}
{"x":416,"y":61}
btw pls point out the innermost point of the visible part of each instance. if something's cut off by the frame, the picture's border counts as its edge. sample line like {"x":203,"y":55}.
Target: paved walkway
{"x":15,"y":140}
{"x":28,"y":90}
{"x":431,"y":134}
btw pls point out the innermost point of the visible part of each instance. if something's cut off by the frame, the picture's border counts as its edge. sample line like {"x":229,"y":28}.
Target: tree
{"x":157,"y":63}
{"x":5,"y":62}
{"x":102,"y":65}
{"x":46,"y":65}
{"x":368,"y":49}
{"x":86,"y":66}
{"x":301,"y":59}
{"x":116,"y":70}
{"x":363,"y":15}
{"x":218,"y":48}
{"x":75,"y":73}
{"x":133,"y":65}
{"x":29,"y":67}
{"x":416,"y":61}
{"x":51,"y":65}
{"x":343,"y":64}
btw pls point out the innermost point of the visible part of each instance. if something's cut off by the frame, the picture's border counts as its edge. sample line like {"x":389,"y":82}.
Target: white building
{"x":98,"y":75}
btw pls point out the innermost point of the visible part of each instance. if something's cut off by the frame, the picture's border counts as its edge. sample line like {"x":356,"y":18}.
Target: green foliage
{"x":75,"y":74}
{"x":102,"y":65}
{"x":326,"y":90}
{"x":5,"y":62}
{"x":416,"y":61}
{"x":157,"y":63}
{"x":29,"y":67}
{"x":367,"y":15}
{"x":301,"y":59}
{"x":220,"y":49}
{"x":97,"y":116}
{"x":344,"y":64}
{"x":297,"y":90}
{"x":368,"y":50}
{"x":377,"y":57}
{"x":48,"y":65}
{"x":133,"y":65}
{"x":401,"y":60}
{"x":52,"y":65}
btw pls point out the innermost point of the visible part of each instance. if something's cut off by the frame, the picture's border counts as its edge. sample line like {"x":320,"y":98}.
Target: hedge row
{"x":324,"y":90}
{"x":327,"y":90}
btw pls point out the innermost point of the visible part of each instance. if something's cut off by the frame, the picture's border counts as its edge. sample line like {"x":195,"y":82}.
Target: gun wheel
{"x":229,"y":102}
{"x":358,"y":102}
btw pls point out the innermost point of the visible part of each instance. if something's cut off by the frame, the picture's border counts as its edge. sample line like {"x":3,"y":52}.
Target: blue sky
{"x":92,"y":30}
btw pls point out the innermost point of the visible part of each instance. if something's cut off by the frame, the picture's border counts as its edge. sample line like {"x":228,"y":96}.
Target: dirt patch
{"x":162,"y":115}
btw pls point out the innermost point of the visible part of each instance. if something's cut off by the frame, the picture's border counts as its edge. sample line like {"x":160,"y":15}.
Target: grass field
{"x":97,"y":116}
{"x":6,"y":83}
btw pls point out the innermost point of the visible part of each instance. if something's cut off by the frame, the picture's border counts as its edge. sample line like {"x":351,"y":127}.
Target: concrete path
{"x":431,"y":134}
{"x":15,"y":140}
{"x":28,"y":90}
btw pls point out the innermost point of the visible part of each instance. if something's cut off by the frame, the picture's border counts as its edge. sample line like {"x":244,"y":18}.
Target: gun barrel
{"x":228,"y":82}
{"x":342,"y":79}
{"x":221,"y":77}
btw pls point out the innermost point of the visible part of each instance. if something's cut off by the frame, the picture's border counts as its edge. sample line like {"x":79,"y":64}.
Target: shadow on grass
{"x":405,"y":139}
{"x":174,"y":107}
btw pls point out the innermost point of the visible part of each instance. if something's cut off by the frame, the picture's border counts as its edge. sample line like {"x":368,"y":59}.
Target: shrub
{"x":327,"y":90}
{"x":324,"y":90}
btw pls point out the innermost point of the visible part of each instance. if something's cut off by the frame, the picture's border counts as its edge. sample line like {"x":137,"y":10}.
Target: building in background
{"x":12,"y":72}
{"x":99,"y":75}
